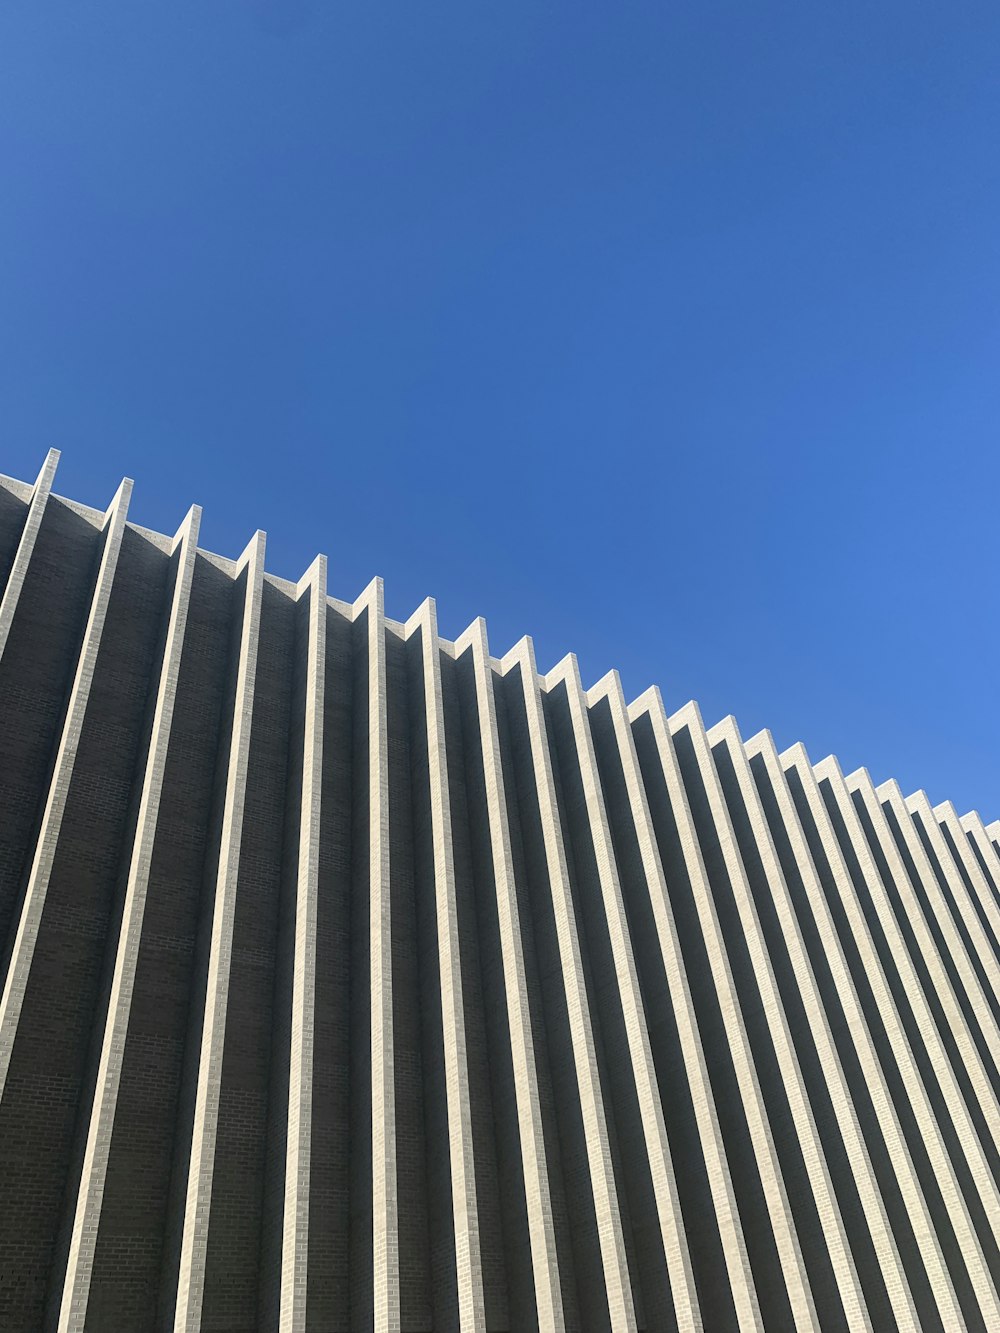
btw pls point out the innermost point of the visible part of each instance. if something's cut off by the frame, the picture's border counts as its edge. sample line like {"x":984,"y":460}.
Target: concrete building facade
{"x":355,"y":979}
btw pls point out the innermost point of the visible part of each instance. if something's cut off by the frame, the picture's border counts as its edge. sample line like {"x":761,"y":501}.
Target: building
{"x":356,"y":979}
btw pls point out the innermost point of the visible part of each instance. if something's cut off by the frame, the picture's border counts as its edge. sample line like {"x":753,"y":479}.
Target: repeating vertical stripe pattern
{"x":354,"y":978}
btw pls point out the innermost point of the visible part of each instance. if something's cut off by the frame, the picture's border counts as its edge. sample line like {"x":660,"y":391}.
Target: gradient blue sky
{"x":665,"y":332}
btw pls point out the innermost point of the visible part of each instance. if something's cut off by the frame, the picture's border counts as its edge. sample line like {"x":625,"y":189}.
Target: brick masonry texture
{"x":356,"y":979}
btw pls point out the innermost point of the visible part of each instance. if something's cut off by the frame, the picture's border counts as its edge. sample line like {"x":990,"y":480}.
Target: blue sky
{"x":665,"y":332}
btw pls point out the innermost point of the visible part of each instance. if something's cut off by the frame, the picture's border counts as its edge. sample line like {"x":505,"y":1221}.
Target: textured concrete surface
{"x":355,"y":979}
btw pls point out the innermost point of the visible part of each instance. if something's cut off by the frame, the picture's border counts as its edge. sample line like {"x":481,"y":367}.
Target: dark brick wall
{"x":359,"y":1007}
{"x":328,"y":1305}
{"x":439,"y":1245}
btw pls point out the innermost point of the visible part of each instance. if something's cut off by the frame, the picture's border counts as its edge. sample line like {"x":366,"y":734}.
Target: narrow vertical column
{"x":703,"y":1100}
{"x":55,"y":804}
{"x":918,"y":827}
{"x":25,"y":547}
{"x":958,"y":1213}
{"x":465,"y":1213}
{"x":968,"y":867}
{"x":298,"y":1146}
{"x":758,"y":1125}
{"x":985,"y":849}
{"x":545,"y":1266}
{"x":198,"y":1203}
{"x":855,"y":1030}
{"x":984,"y":998}
{"x":672,"y":1233}
{"x":796,"y":1277}
{"x":385,"y":1219}
{"x":859,"y":785}
{"x":796,"y":760}
{"x":726,"y":733}
{"x":602,"y":1182}
{"x":83,"y":1241}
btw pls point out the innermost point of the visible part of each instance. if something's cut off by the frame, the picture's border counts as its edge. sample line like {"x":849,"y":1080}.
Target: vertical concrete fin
{"x":605,"y":1195}
{"x":726,"y":1213}
{"x":545,"y":1265}
{"x":800,"y":1296}
{"x":829,"y":775}
{"x":872,"y":975}
{"x":25,"y":547}
{"x":984,"y":848}
{"x":649,"y":709}
{"x":198,"y":1201}
{"x":968,"y":867}
{"x":298,"y":1148}
{"x":385,"y":1219}
{"x":673,"y":1235}
{"x":718,"y":977}
{"x":86,"y":1220}
{"x":55,"y":804}
{"x":915,"y":812}
{"x":465,"y":1213}
{"x":934,"y":881}
{"x":886,"y":1252}
{"x":956,"y":1024}
{"x":742,"y":798}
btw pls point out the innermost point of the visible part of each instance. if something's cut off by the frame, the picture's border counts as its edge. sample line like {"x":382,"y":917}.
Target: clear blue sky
{"x":665,"y":332}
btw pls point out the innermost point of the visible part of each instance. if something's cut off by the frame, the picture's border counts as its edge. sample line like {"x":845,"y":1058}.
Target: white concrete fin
{"x":672,"y":1231}
{"x":605,"y":1196}
{"x":786,"y":1236}
{"x":874,"y":976}
{"x":816,"y":908}
{"x":40,"y":493}
{"x":294,"y":1281}
{"x":86,"y":1221}
{"x":197,"y":1209}
{"x":544,"y":1256}
{"x":33,"y":906}
{"x":720,"y":1183}
{"x":465,"y":1211}
{"x":726,"y":734}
